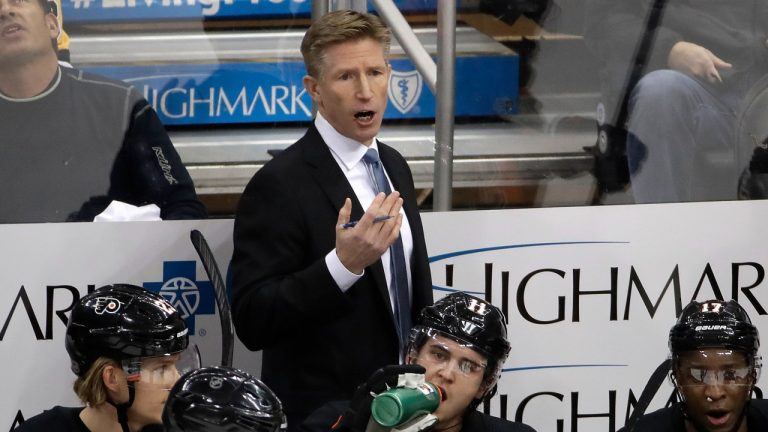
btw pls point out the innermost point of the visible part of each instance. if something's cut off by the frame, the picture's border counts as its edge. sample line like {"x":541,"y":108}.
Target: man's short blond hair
{"x":338,"y":27}
{"x":90,"y":387}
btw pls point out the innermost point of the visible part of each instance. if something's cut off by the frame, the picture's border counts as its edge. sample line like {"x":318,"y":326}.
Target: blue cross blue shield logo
{"x":404,"y":89}
{"x":181,"y":289}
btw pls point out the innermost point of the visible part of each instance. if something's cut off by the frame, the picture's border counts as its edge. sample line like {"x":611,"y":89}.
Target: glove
{"x":355,"y":419}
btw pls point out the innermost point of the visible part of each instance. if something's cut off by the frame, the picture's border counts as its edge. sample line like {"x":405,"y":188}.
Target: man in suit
{"x":330,"y":304}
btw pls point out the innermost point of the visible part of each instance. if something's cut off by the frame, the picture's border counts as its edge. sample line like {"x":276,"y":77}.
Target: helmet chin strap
{"x":122,"y":408}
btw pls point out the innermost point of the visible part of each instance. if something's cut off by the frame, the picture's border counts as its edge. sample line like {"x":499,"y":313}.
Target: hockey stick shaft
{"x":657,"y":378}
{"x":214,"y":275}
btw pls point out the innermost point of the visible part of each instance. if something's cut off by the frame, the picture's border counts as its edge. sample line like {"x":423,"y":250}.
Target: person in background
{"x":75,"y":142}
{"x":700,"y":62}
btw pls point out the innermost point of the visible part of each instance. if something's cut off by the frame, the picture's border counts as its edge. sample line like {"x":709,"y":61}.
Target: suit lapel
{"x":327,"y":173}
{"x":332,"y":181}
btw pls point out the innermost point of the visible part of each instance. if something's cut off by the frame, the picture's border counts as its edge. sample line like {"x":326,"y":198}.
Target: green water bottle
{"x":401,"y":404}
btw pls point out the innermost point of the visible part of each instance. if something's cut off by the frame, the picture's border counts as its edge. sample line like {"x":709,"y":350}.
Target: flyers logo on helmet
{"x":107,"y":304}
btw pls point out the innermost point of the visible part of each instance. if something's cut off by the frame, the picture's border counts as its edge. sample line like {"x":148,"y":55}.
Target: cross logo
{"x":181,"y":289}
{"x":183,"y":294}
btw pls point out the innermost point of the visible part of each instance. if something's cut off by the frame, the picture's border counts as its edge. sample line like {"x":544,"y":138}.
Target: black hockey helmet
{"x":470,"y":321}
{"x":713,"y":324}
{"x":222,"y":399}
{"x":122,"y":322}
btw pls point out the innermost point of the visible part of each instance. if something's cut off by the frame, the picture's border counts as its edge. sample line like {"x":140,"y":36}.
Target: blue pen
{"x":375,"y":220}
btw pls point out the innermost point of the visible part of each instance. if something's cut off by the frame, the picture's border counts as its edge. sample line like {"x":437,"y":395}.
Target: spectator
{"x":700,"y":63}
{"x":74,"y":142}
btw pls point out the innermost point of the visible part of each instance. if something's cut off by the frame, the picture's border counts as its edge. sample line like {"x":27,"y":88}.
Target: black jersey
{"x":56,"y":419}
{"x":63,"y":419}
{"x":475,"y":421}
{"x":671,"y":419}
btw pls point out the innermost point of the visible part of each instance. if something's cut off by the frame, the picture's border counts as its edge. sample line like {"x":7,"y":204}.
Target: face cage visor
{"x":162,"y":371}
{"x":716,"y":367}
{"x":438,"y":354}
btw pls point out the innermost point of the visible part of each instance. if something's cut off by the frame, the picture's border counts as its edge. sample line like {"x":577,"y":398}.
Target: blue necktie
{"x":397,"y":269}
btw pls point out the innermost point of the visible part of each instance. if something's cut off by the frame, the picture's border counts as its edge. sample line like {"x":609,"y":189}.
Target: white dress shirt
{"x":349,"y":153}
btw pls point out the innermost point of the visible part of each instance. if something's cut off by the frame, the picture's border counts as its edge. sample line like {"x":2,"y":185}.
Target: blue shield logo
{"x":404,"y":89}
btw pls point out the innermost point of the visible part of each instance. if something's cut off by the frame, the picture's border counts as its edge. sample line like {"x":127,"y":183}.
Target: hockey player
{"x":127,"y":346}
{"x":459,"y":344}
{"x":715,"y":366}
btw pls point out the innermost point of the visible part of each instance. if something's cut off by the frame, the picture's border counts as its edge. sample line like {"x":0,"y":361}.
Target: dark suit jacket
{"x":319,"y":343}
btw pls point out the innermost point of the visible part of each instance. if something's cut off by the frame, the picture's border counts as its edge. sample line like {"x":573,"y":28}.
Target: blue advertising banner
{"x":143,"y":10}
{"x":273,"y":92}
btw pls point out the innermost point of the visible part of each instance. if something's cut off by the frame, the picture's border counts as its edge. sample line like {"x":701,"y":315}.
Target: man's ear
{"x":53,"y":25}
{"x":115,"y":383}
{"x":310,"y":84}
{"x":113,"y":377}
